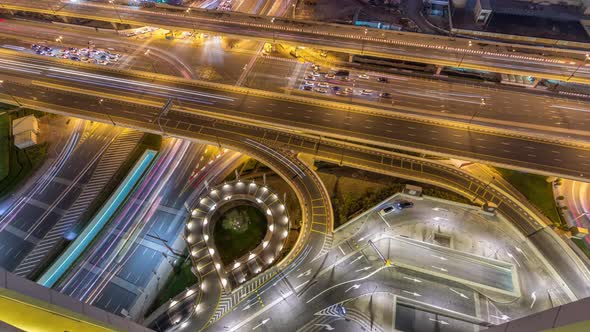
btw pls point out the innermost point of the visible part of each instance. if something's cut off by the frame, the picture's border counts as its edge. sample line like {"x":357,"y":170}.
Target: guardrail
{"x":73,"y":252}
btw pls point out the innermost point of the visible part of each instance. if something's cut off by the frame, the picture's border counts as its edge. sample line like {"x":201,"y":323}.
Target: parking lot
{"x":344,"y":84}
{"x":88,"y":55}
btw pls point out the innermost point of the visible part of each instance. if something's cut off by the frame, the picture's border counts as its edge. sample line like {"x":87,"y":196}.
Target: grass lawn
{"x":15,"y":164}
{"x":536,"y":190}
{"x":233,"y":244}
{"x":4,"y":145}
{"x":181,"y":278}
{"x":583,"y":245}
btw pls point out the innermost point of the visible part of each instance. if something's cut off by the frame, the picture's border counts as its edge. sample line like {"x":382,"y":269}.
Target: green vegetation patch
{"x":583,"y":245}
{"x":536,"y":189}
{"x":181,"y":278}
{"x":239,"y":230}
{"x":15,"y":164}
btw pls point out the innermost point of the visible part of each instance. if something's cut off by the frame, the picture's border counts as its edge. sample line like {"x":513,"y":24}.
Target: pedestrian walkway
{"x":113,"y":158}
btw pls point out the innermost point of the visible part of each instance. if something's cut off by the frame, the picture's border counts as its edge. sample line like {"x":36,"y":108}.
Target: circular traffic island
{"x":240,"y":226}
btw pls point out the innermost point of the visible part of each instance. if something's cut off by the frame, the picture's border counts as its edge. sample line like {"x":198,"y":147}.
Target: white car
{"x":364,"y":76}
{"x":308,"y":83}
{"x":320,"y":90}
{"x":323,"y":85}
{"x":367,"y":92}
{"x":310,"y":77}
{"x":315,"y":74}
{"x":330,"y":76}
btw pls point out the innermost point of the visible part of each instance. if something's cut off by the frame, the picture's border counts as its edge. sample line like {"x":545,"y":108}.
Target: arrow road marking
{"x":534,"y":297}
{"x":439,"y":268}
{"x":438,"y":321}
{"x":512,"y":256}
{"x":414,"y":293}
{"x":503,"y":317}
{"x":325,"y":326}
{"x":363,"y":269}
{"x":413,"y":279}
{"x":355,"y":286}
{"x":262,"y":323}
{"x":304,"y":274}
{"x":440,"y":257}
{"x":459,"y":293}
{"x":356,"y":259}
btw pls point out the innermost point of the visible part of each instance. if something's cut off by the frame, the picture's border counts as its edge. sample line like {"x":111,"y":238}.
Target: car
{"x":308,"y":83}
{"x":308,"y":87}
{"x":323,"y":54}
{"x":315,"y":74}
{"x":342,"y":93}
{"x":347,"y":89}
{"x":367,"y":92}
{"x":400,"y":205}
{"x":386,"y":210}
{"x":75,"y":58}
{"x":330,"y":76}
{"x":336,"y":88}
{"x":102,"y":62}
{"x":364,"y":76}
{"x":315,"y":67}
{"x":130,"y":34}
{"x":323,"y":85}
{"x":310,"y":77}
{"x":383,"y":79}
{"x":342,"y":72}
{"x":320,"y":90}
{"x":385,"y":95}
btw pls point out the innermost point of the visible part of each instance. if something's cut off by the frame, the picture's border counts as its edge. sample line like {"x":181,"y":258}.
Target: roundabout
{"x":243,"y":227}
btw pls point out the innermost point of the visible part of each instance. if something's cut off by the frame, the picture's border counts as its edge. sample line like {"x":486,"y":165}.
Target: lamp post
{"x":363,"y":43}
{"x":481,"y":105}
{"x":10,"y":94}
{"x":464,"y":54}
{"x":112,"y":2}
{"x":577,"y":68}
{"x":105,"y":112}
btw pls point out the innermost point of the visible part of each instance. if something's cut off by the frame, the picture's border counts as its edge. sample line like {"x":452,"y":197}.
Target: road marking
{"x":459,"y":293}
{"x":439,"y":268}
{"x":261,"y":323}
{"x":325,"y":326}
{"x":413,"y":279}
{"x":304,"y":274}
{"x":355,"y":286}
{"x":342,"y":251}
{"x":513,"y":258}
{"x":438,"y":321}
{"x":363,"y":269}
{"x":440,"y":257}
{"x":534,"y":297}
{"x":356,"y":259}
{"x":412,"y":293}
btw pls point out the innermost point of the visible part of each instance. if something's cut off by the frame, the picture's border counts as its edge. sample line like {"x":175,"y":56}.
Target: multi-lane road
{"x":543,"y":62}
{"x":49,"y":80}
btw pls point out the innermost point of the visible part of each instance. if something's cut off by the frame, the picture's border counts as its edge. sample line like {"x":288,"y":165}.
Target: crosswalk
{"x":229,"y":300}
{"x":109,"y":163}
{"x":328,"y":316}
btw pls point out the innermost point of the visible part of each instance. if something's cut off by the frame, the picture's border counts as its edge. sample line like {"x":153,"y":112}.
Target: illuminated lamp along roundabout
{"x":229,"y":207}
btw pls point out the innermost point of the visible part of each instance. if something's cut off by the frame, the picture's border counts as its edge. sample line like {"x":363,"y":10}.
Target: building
{"x":25,"y":131}
{"x":552,"y":19}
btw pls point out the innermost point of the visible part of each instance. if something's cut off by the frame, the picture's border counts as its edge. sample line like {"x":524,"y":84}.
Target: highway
{"x":30,"y":217}
{"x":252,"y":109}
{"x":122,"y":271}
{"x":549,"y":63}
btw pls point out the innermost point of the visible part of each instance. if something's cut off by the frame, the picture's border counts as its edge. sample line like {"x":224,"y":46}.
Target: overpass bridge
{"x":536,"y":61}
{"x":135,"y":99}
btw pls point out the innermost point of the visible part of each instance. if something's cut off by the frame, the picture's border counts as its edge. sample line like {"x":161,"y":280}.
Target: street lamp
{"x":363,"y":44}
{"x":107,"y":113}
{"x":10,"y":94}
{"x":294,"y":6}
{"x":464,"y":54}
{"x":481,"y":105}
{"x":581,"y":215}
{"x":112,"y":2}
{"x":581,"y":64}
